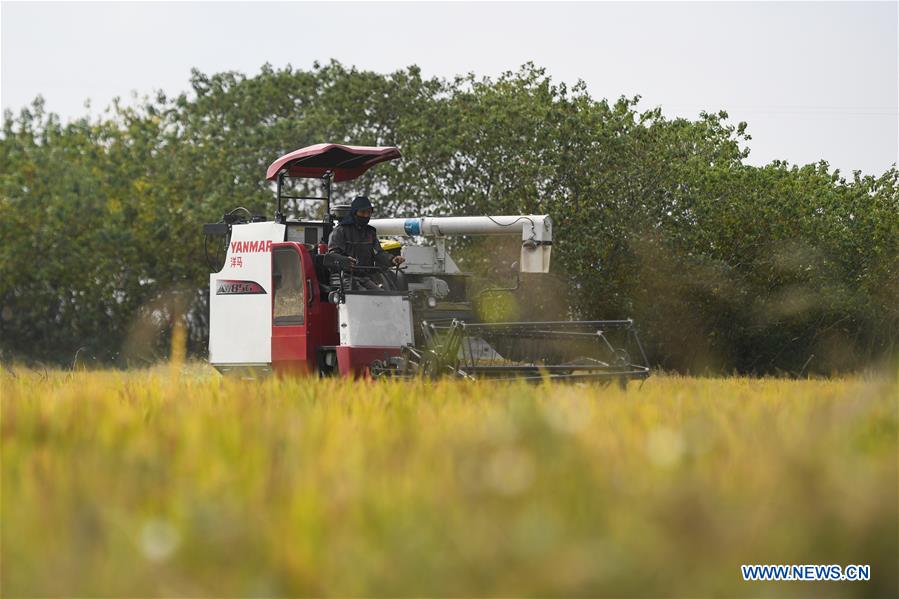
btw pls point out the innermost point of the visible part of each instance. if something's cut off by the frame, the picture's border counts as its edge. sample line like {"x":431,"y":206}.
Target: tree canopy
{"x":724,"y":266}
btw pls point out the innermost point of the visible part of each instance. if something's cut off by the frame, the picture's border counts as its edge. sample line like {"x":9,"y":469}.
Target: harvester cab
{"x":279,"y":302}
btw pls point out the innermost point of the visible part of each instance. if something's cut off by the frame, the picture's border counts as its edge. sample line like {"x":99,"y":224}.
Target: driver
{"x":355,"y":242}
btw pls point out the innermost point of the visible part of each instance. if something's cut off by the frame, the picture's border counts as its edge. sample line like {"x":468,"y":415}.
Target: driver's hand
{"x":398,"y":260}
{"x":352,"y":261}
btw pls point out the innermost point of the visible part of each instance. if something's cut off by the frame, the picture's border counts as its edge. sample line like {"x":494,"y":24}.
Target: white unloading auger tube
{"x":536,"y":232}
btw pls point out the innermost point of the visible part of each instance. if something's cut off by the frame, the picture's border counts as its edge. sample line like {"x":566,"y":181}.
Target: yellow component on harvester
{"x":390,"y":244}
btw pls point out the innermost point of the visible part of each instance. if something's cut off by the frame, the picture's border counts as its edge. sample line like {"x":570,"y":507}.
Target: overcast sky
{"x":813,"y":80}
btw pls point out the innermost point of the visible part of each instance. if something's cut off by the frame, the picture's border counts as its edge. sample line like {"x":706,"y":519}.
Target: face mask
{"x":362,"y":220}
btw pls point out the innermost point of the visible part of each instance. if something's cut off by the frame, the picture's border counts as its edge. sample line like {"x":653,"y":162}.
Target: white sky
{"x":813,"y":80}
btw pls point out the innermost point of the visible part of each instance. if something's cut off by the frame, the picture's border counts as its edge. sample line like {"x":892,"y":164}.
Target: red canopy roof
{"x":346,"y":162}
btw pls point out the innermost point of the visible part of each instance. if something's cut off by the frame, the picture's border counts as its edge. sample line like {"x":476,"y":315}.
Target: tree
{"x":723,"y":265}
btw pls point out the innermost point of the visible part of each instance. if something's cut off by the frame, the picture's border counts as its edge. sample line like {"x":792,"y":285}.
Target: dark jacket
{"x":360,"y":242}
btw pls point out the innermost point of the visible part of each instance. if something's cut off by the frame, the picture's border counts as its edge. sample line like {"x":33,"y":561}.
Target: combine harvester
{"x":280,"y":304}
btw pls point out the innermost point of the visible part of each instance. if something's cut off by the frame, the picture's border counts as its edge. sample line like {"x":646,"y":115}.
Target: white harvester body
{"x":240,"y":310}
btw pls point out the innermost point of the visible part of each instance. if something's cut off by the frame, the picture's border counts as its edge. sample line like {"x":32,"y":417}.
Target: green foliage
{"x":723,"y":265}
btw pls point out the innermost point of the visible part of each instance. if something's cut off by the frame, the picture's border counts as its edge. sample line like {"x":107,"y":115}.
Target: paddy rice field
{"x":176,"y":482}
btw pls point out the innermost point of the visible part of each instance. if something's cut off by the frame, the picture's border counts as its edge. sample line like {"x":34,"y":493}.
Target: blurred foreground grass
{"x":162,"y":483}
